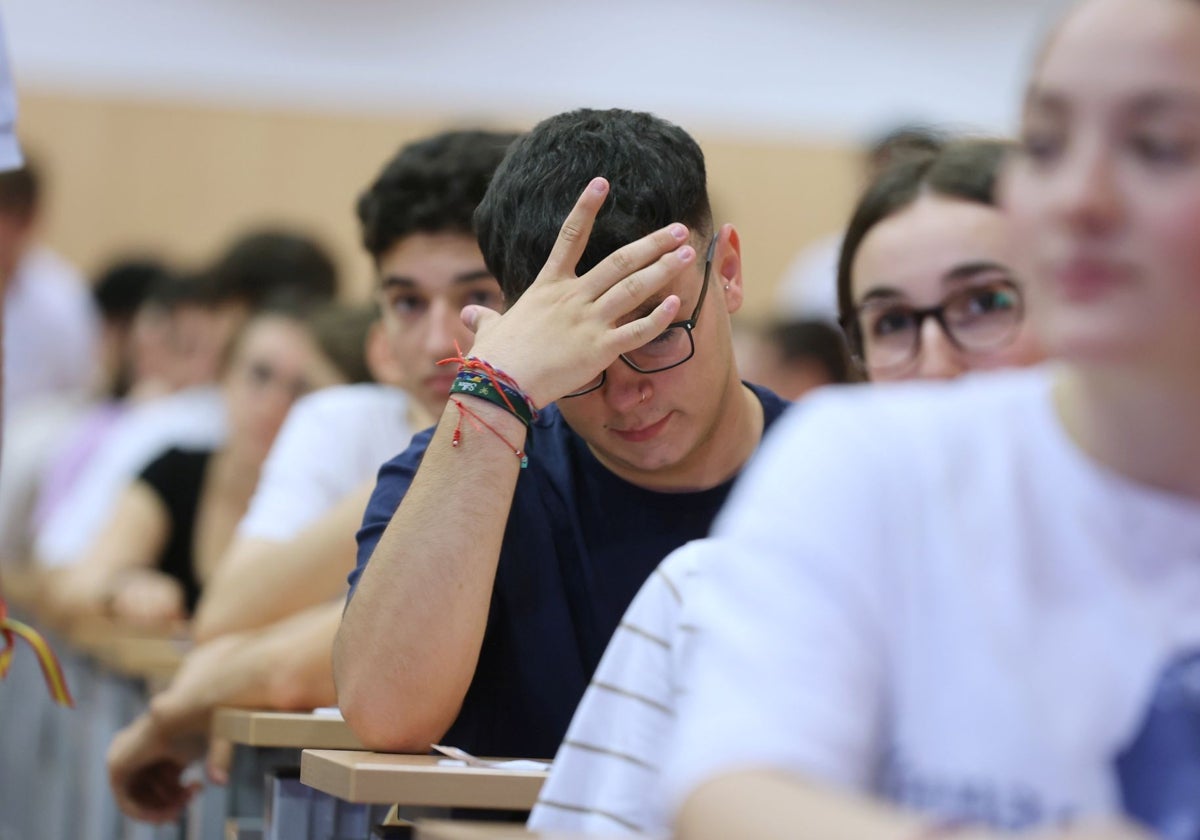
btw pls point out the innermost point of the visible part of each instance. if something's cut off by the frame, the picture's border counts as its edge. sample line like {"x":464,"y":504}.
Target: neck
{"x":1141,"y":425}
{"x":235,"y":470}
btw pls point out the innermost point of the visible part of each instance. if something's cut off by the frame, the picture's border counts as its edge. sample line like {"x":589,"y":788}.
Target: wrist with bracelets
{"x":479,"y":379}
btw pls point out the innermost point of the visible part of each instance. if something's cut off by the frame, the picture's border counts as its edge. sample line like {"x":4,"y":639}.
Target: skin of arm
{"x":771,"y":805}
{"x":133,"y":538}
{"x":285,"y":666}
{"x":411,"y":635}
{"x":263,"y":581}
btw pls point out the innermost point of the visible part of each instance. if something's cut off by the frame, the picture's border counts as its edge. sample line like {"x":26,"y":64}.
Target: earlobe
{"x":729,"y":267}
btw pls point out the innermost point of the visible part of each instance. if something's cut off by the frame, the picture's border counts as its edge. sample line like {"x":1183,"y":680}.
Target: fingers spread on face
{"x":631,"y":294}
{"x":658,"y":247}
{"x":573,"y":235}
{"x":642,"y":330}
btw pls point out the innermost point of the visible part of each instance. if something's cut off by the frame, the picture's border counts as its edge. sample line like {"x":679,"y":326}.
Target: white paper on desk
{"x":516,"y":764}
{"x":328,"y":711}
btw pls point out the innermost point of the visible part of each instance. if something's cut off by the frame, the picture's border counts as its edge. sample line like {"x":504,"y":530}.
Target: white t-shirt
{"x":31,"y":437}
{"x":10,"y":150}
{"x":332,"y":443}
{"x":928,"y":593}
{"x":193,"y":419}
{"x":51,"y":330}
{"x":605,"y":775}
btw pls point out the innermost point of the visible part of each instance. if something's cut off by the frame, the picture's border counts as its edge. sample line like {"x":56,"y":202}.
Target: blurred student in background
{"x":51,"y":327}
{"x":171,"y":526}
{"x":267,"y":621}
{"x":259,"y":266}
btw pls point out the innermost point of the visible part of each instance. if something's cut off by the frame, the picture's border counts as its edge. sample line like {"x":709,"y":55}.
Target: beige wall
{"x":182,"y":180}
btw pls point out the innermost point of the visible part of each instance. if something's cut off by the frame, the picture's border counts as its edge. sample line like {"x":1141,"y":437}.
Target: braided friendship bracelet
{"x":477,"y":378}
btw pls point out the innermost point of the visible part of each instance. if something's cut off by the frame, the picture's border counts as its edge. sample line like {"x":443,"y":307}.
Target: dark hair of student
{"x":657,"y":176}
{"x":812,"y":341}
{"x":965,"y":170}
{"x":20,"y":191}
{"x":122,"y":287}
{"x":272,"y":265}
{"x":431,"y":186}
{"x":341,"y":332}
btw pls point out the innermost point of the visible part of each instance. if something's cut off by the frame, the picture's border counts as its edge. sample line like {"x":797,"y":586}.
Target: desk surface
{"x":301,"y":730}
{"x":386,"y":779}
{"x":462,"y":830}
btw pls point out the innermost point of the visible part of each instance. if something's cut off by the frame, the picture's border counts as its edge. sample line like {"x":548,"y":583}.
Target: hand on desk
{"x":145,"y":769}
{"x":146,"y":598}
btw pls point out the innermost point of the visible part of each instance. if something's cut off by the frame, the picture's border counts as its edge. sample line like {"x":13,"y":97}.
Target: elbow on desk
{"x":392,"y":729}
{"x":388,"y":720}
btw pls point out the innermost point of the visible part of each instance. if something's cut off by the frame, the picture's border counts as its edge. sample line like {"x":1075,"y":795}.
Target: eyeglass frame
{"x":689,"y":325}
{"x":852,"y":327}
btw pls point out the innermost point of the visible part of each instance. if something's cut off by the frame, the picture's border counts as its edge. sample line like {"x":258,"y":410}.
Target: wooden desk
{"x":385,"y":779}
{"x":462,"y":830}
{"x":298,"y":730}
{"x":151,"y":659}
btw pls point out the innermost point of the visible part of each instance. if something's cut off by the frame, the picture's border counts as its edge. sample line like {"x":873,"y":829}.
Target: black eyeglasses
{"x":885,"y":333}
{"x":670,"y":348}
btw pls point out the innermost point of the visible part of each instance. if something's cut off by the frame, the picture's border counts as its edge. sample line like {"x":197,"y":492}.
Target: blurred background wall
{"x":170,"y":126}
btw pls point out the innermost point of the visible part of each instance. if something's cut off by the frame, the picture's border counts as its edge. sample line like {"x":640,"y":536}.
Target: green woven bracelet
{"x":478,"y":385}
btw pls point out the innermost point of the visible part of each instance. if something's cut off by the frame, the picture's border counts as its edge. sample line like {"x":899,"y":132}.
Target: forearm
{"x":265,"y":581}
{"x":764,"y":805}
{"x":285,"y":666}
{"x":410,"y":637}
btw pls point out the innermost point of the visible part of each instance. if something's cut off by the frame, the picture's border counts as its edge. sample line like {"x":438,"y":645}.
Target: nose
{"x":624,"y":388}
{"x":444,"y":327}
{"x":1084,"y":188}
{"x":939,"y":358}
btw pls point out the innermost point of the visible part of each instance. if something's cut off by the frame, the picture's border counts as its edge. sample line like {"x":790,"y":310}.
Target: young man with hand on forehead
{"x":597,"y":425}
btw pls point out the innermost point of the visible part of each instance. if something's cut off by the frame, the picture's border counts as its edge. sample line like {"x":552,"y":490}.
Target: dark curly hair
{"x":273,"y":264}
{"x":430,"y":186}
{"x":657,"y":176}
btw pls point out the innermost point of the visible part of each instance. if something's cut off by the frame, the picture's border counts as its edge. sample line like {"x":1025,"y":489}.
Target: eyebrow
{"x":1141,"y":105}
{"x":956,"y":275}
{"x":394,"y":280}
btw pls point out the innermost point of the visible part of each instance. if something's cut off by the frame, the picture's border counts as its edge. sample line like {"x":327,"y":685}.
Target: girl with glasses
{"x":926,"y":288}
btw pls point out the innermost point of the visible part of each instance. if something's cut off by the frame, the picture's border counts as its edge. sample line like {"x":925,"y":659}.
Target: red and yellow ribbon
{"x":10,"y":628}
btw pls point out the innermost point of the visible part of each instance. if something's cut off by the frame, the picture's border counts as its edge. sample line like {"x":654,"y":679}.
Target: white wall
{"x":743,"y":67}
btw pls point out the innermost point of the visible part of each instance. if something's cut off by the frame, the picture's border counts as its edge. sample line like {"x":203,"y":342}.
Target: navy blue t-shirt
{"x":579,"y":544}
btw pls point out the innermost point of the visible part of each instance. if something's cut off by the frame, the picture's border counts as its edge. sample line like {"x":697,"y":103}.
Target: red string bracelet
{"x":479,"y":423}
{"x":503,"y":384}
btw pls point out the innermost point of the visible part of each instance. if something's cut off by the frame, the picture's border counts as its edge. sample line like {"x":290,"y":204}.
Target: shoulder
{"x":916,"y":414}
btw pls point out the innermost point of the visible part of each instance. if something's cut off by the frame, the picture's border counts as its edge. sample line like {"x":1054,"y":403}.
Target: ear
{"x":727,"y":266}
{"x":381,"y":361}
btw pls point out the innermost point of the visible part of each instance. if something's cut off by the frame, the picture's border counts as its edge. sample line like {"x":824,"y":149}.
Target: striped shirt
{"x":605,"y":775}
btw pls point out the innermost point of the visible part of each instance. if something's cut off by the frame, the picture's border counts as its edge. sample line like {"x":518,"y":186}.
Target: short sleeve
{"x":395,"y":477}
{"x":163,"y":473}
{"x":786,"y":668}
{"x":604,"y":775}
{"x":296,"y":486}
